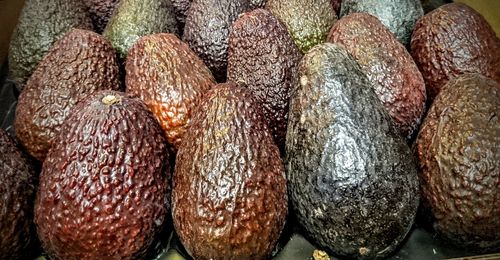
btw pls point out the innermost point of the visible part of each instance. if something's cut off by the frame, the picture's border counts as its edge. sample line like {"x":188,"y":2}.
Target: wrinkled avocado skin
{"x":458,"y":151}
{"x":352,"y":179}
{"x":17,"y":193}
{"x":229,"y":197}
{"x":41,"y":23}
{"x":100,"y":11}
{"x":104,"y":185}
{"x":263,"y":57}
{"x":452,"y":40}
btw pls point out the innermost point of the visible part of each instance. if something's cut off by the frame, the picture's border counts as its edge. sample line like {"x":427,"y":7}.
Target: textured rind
{"x":104,"y":185}
{"x":207,"y":28}
{"x":133,"y":19}
{"x":388,"y":65}
{"x":263,"y":57}
{"x":80,"y":63}
{"x":459,"y":156}
{"x":352,"y":179}
{"x":41,"y":23}
{"x":308,"y":21}
{"x":399,"y":16}
{"x":170,"y":79}
{"x":17,"y":192}
{"x":229,"y":190}
{"x":452,"y":40}
{"x":100,"y":11}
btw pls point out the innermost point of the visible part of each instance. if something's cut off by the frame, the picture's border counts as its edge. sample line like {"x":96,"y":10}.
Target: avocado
{"x":181,"y":8}
{"x":352,"y":179}
{"x":133,"y":19}
{"x":104,"y":184}
{"x":17,"y":189}
{"x":170,"y":79}
{"x":229,"y":197}
{"x":452,"y":40}
{"x":263,"y":57}
{"x":399,"y":16}
{"x":458,"y":151}
{"x":100,"y":11}
{"x":80,"y":63}
{"x":41,"y":23}
{"x":388,"y":65}
{"x":308,"y":21}
{"x":207,"y":31}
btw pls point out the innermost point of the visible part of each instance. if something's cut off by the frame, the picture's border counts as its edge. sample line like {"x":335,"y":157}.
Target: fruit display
{"x":249,"y":129}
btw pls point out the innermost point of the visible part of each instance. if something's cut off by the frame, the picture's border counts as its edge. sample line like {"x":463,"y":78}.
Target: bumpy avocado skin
{"x":352,"y":179}
{"x":100,"y":11}
{"x":458,"y":151}
{"x":399,"y":16}
{"x":80,"y":63}
{"x":229,"y":197}
{"x":170,"y":79}
{"x":308,"y":21}
{"x":388,"y":65}
{"x":133,"y":19}
{"x":452,"y":40}
{"x":263,"y":57}
{"x":17,"y":193}
{"x":41,"y":23}
{"x":207,"y":28}
{"x":104,"y":185}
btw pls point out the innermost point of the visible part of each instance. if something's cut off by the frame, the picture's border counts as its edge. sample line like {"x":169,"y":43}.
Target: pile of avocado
{"x":227,"y":120}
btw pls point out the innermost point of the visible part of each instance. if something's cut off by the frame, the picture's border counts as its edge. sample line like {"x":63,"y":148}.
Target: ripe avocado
{"x":104,"y":185}
{"x":229,"y":197}
{"x":133,"y":19}
{"x":452,"y":40}
{"x":458,"y":151}
{"x":263,"y":57}
{"x":352,"y":179}
{"x":170,"y":79}
{"x":80,"y":63}
{"x":100,"y":11}
{"x":17,"y":193}
{"x":388,"y":65}
{"x":41,"y":23}
{"x":399,"y":16}
{"x":207,"y":31}
{"x":308,"y":21}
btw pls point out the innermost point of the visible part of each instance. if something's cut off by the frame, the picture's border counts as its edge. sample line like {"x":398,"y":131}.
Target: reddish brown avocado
{"x":170,"y":79}
{"x":263,"y":57}
{"x":80,"y":63}
{"x":458,"y":151}
{"x":17,"y":192}
{"x":452,"y":40}
{"x":104,"y":185}
{"x":100,"y":11}
{"x":229,"y":197}
{"x":388,"y":65}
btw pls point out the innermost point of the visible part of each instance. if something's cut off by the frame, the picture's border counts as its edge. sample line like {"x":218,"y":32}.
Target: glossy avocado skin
{"x":308,"y":21}
{"x":399,"y":16}
{"x":17,"y":193}
{"x":387,"y":64}
{"x":41,"y":23}
{"x":229,"y":197}
{"x":100,"y":11}
{"x":170,"y":79}
{"x":80,"y":63}
{"x":459,"y":160}
{"x":452,"y":40}
{"x":104,"y":185}
{"x":133,"y":19}
{"x":352,"y":180}
{"x":263,"y":57}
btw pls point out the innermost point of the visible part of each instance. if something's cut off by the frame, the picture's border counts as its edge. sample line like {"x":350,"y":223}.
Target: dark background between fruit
{"x":420,"y":243}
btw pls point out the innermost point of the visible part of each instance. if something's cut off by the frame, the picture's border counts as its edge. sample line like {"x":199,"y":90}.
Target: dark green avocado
{"x":100,"y":11}
{"x":458,"y":150}
{"x":104,"y":185}
{"x":41,"y":23}
{"x":229,"y":198}
{"x":17,"y":193}
{"x":352,"y":179}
